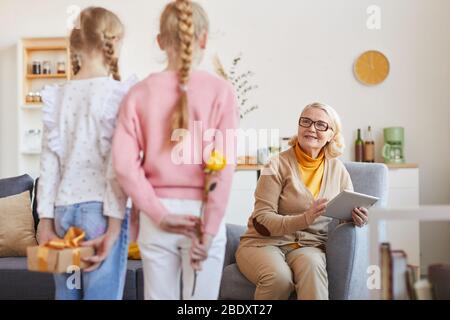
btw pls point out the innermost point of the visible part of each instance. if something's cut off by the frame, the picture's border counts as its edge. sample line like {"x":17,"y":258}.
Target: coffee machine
{"x":394,"y":142}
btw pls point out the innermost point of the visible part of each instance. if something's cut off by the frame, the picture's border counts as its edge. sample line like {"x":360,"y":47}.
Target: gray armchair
{"x":347,"y":249}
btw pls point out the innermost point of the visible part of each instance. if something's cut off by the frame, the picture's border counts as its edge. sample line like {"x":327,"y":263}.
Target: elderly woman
{"x":283,"y":248}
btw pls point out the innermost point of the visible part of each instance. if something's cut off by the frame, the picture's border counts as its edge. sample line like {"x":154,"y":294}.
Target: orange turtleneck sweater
{"x":311,"y":170}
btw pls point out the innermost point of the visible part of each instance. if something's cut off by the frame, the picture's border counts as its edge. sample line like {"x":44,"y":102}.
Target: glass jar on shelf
{"x":284,"y":143}
{"x":36,"y":67}
{"x":46,"y":67}
{"x":274,"y":150}
{"x":37,"y":98}
{"x":29,"y":98}
{"x":61,"y":67}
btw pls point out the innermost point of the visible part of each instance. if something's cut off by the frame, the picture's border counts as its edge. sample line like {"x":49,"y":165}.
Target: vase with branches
{"x":241,"y":81}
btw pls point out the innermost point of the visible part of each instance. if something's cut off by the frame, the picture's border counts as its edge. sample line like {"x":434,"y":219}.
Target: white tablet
{"x":341,"y":206}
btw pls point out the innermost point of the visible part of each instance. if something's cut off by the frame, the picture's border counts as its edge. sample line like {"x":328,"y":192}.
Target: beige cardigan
{"x":281,"y":198}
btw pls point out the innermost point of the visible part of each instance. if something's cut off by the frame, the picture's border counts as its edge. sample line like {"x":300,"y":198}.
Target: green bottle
{"x":359,"y":148}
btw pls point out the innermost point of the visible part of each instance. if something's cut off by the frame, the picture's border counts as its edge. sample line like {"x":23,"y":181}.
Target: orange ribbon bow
{"x":72,"y":239}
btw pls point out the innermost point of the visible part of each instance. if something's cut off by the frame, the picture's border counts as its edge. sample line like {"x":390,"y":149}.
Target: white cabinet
{"x":240,"y":204}
{"x":404,"y":193}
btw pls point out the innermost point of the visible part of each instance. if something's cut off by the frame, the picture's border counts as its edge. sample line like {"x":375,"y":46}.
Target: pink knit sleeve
{"x":218,"y":199}
{"x":127,"y":145}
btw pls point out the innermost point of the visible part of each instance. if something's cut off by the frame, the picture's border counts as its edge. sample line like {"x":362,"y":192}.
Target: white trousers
{"x":168,"y":274}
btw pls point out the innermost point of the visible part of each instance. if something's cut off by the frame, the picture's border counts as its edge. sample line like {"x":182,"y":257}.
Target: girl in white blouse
{"x":77,"y":186}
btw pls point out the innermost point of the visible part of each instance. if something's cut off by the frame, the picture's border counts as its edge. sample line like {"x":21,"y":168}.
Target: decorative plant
{"x":241,"y":82}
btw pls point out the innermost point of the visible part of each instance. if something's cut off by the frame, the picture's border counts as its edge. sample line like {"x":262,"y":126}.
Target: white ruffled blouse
{"x":76,"y":165}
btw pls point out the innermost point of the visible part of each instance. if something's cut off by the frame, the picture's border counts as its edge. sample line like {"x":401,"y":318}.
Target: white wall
{"x":8,"y":118}
{"x":301,"y":51}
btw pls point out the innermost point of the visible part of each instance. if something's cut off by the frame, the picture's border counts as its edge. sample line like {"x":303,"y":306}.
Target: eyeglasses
{"x":319,"y":125}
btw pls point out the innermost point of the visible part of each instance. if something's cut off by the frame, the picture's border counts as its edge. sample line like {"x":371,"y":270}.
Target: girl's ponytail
{"x":110,"y":60}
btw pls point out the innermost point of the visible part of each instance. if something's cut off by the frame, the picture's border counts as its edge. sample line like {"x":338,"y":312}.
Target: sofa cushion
{"x":140,"y":284}
{"x":17,"y":185}
{"x":234,"y":285}
{"x":16,"y":282}
{"x":234,"y":233}
{"x":131,"y":280}
{"x":16,"y":225}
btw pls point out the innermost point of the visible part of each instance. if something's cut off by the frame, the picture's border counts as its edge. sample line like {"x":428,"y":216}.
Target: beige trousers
{"x":277,"y":272}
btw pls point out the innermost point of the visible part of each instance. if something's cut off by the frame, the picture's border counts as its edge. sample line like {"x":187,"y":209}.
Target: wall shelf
{"x":54,"y":50}
{"x":46,"y":76}
{"x":249,"y":167}
{"x":34,"y":46}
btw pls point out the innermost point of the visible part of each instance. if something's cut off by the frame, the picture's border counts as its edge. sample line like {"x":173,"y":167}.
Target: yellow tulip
{"x":133,"y":251}
{"x":216,"y":162}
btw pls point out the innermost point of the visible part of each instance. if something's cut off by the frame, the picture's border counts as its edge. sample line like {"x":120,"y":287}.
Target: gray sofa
{"x":347,"y":252}
{"x":16,"y":282}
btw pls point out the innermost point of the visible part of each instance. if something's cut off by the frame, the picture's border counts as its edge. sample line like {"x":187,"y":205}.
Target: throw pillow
{"x":16,"y":225}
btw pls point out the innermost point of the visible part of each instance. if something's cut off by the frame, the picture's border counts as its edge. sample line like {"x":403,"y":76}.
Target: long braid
{"x":75,"y":61}
{"x":76,"y":42}
{"x":186,"y":36}
{"x":110,"y":60}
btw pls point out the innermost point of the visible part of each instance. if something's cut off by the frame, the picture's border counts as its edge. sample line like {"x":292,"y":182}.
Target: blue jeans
{"x":108,"y":280}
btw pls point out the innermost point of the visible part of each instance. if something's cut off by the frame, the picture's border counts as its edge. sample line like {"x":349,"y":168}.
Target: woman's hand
{"x":46,"y":231}
{"x":103,"y":244}
{"x":199,"y":250}
{"x":317,"y":208}
{"x":181,"y":224}
{"x":360,"y":216}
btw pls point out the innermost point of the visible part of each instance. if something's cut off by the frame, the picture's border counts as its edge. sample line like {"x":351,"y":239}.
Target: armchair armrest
{"x":347,"y":253}
{"x":234,"y":233}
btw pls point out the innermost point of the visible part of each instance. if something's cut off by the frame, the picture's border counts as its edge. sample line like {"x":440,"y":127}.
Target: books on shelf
{"x":386,"y":274}
{"x":399,"y":275}
{"x":422,"y":289}
{"x":439,"y":276}
{"x":398,"y":278}
{"x":412,"y":275}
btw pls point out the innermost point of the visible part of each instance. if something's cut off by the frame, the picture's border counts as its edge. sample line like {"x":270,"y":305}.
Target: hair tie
{"x":183,"y":87}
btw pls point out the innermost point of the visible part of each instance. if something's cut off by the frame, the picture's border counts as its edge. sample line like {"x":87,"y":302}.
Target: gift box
{"x":60,"y":255}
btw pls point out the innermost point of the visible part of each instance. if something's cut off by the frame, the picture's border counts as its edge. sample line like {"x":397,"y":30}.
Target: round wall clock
{"x":372,"y":67}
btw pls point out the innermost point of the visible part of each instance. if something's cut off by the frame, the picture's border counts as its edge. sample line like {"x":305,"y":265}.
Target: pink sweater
{"x":144,"y":125}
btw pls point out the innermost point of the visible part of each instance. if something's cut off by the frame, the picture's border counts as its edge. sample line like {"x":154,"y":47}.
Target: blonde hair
{"x":335,"y":147}
{"x":99,"y":29}
{"x":182,"y":24}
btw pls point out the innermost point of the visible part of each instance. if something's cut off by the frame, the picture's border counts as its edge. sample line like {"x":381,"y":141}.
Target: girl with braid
{"x":169,"y":192}
{"x":77,"y":185}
